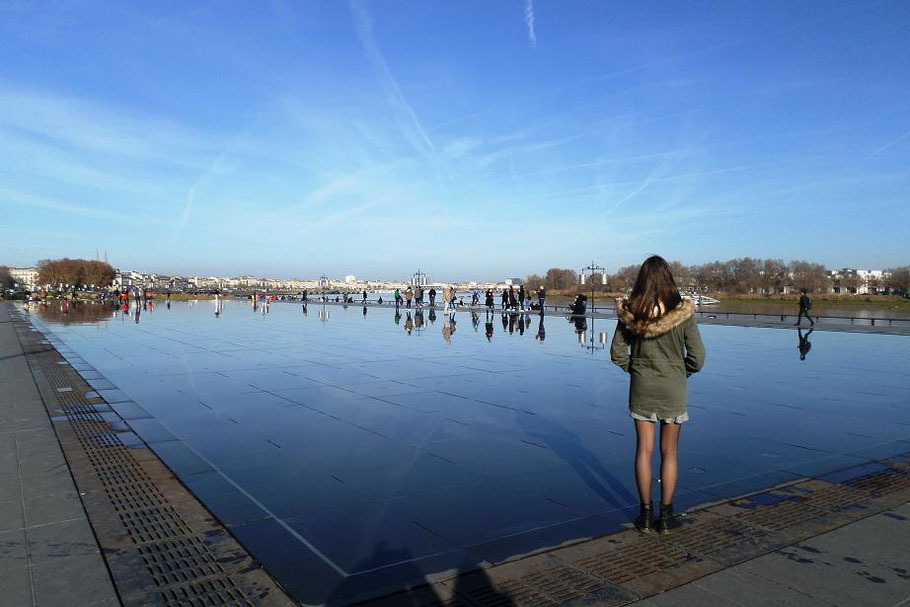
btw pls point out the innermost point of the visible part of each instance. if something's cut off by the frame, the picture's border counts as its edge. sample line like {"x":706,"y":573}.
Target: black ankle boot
{"x":645,"y":520}
{"x":668,"y":520}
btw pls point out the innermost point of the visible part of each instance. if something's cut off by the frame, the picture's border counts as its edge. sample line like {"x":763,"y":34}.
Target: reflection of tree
{"x":69,"y":313}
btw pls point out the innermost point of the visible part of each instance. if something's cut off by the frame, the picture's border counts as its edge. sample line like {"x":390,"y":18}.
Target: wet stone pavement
{"x":370,"y":451}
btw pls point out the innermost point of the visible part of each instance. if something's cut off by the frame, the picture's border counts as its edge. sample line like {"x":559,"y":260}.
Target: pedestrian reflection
{"x":804,"y":344}
{"x":408,"y":324}
{"x":581,"y":325}
{"x":448,"y":328}
{"x":364,"y":310}
{"x":505,"y":320}
{"x":418,"y":320}
{"x":541,"y":330}
{"x":397,"y":315}
{"x":432,"y":316}
{"x":475,"y":318}
{"x":488,"y":326}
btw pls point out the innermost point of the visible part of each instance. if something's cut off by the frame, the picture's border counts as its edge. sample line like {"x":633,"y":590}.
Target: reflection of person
{"x":475,"y":320}
{"x":397,"y":315}
{"x":541,"y":331}
{"x":804,"y":344}
{"x":408,"y":324}
{"x":488,"y":327}
{"x":805,"y":304}
{"x":658,"y":343}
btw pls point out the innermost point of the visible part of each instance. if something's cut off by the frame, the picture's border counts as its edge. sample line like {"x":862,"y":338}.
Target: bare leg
{"x":669,"y":461}
{"x":644,"y":451}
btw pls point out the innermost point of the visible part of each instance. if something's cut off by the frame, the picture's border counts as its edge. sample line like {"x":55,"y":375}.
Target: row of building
{"x":845,"y":280}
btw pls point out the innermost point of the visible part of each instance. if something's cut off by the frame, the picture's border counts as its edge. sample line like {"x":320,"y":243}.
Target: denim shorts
{"x":669,"y":420}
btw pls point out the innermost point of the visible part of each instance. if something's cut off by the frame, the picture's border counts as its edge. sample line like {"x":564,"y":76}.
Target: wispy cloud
{"x":410,"y":123}
{"x":529,"y":21}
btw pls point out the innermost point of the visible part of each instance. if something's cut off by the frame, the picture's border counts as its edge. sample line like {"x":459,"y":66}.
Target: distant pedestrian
{"x":419,"y":297}
{"x":541,"y":297}
{"x":489,"y":300}
{"x":304,"y":295}
{"x":658,"y":343}
{"x":448,"y":295}
{"x":513,"y":303}
{"x":407,"y":297}
{"x":397,"y":298}
{"x":505,"y":298}
{"x":521,"y":296}
{"x":805,"y":304}
{"x":364,"y":296}
{"x":432,"y":296}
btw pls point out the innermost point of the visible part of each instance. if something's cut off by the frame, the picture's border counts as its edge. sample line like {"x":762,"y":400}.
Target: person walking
{"x":513,"y":303}
{"x":364,"y":297}
{"x":521,"y":296}
{"x":658,"y":343}
{"x":432,"y":296}
{"x":397,"y":298}
{"x":407,"y":297}
{"x":489,"y":300}
{"x":505,"y":298}
{"x":805,"y":304}
{"x":541,"y":297}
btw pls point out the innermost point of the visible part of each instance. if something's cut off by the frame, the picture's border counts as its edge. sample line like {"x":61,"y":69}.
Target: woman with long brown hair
{"x":658,"y":343}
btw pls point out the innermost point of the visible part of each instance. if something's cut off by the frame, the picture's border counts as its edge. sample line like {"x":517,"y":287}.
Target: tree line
{"x":75,"y":272}
{"x":734,"y":276}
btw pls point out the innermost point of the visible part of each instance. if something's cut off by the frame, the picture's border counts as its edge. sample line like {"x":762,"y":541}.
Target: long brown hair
{"x":654,"y":288}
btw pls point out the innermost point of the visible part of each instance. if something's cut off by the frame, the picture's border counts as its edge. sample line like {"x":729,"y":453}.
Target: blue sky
{"x":472,"y":139}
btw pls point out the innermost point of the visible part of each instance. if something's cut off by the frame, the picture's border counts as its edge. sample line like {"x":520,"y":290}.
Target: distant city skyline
{"x":474,"y":140}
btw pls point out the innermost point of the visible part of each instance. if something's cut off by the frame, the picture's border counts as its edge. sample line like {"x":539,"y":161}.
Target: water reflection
{"x":68,"y":313}
{"x":804,"y":344}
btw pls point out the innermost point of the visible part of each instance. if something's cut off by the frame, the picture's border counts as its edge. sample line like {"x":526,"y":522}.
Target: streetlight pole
{"x":417,"y":276}
{"x":591,"y":270}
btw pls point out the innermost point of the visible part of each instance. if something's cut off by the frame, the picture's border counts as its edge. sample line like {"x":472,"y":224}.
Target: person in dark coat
{"x":432,"y":296}
{"x":541,"y":297}
{"x":505,"y":298}
{"x":805,"y":304}
{"x":489,"y":300}
{"x":521,"y":296}
{"x":513,"y":303}
{"x":658,"y":344}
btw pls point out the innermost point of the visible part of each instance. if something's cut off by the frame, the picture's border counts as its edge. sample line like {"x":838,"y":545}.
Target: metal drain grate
{"x":633,"y":561}
{"x":779,"y":516}
{"x":712,"y":536}
{"x":507,"y":593}
{"x":835,"y":497}
{"x":886,"y":481}
{"x":181,"y":565}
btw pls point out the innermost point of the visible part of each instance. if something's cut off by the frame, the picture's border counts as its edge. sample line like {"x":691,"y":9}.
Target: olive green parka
{"x":659,"y":354}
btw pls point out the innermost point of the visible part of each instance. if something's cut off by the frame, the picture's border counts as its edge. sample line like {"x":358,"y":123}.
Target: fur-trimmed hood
{"x":655,"y":327}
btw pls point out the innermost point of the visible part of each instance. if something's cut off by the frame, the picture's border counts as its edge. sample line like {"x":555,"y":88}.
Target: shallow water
{"x":353,"y":452}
